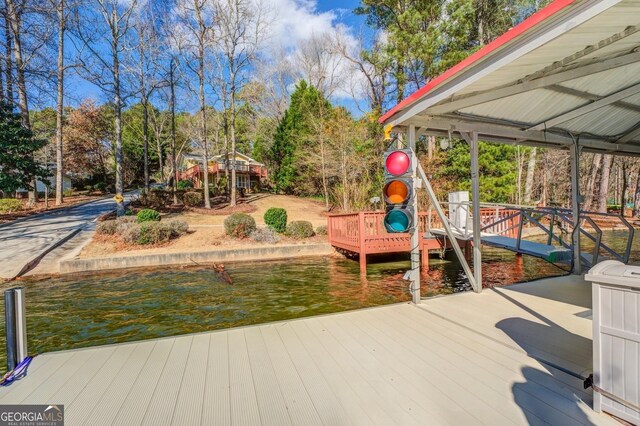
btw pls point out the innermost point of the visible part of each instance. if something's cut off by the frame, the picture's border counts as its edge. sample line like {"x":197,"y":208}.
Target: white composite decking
{"x":455,"y":360}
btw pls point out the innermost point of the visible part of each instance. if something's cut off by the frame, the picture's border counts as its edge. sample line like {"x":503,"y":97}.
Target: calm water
{"x":90,"y":310}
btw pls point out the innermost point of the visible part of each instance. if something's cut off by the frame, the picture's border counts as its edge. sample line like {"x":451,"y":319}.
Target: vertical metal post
{"x":21,"y":324}
{"x":475,"y":192}
{"x":10,"y":327}
{"x":414,"y":231}
{"x":575,"y":205}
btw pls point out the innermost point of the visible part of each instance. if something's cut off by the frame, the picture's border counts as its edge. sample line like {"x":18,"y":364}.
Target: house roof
{"x":572,"y":70}
{"x":220,"y":157}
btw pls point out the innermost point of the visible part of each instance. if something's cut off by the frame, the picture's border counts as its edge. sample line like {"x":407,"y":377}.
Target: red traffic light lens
{"x":396,"y":192}
{"x":398,"y":163}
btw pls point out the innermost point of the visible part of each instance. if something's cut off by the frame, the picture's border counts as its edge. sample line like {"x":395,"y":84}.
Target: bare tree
{"x":604,"y":183}
{"x":240,"y":27}
{"x":195,"y":19}
{"x":107,"y":22}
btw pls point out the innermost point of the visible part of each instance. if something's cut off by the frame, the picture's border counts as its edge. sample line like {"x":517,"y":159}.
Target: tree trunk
{"x":8,"y":60}
{"x":624,"y":183}
{"x":117,"y":102}
{"x":531,"y":169}
{"x":145,"y":137}
{"x":174,"y":165}
{"x":60,"y":106}
{"x":15,"y":21}
{"x":233,"y":144}
{"x":591,"y":183}
{"x":636,"y":196}
{"x":203,"y":128}
{"x":604,"y":183}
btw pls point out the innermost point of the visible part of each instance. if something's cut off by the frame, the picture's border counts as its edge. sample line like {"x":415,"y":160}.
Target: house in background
{"x":250,"y":174}
{"x":40,"y":185}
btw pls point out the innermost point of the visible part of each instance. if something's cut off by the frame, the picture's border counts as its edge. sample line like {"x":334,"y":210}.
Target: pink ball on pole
{"x":398,"y":163}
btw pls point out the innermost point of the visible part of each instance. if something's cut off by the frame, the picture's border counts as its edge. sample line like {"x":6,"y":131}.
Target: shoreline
{"x":110,"y":263}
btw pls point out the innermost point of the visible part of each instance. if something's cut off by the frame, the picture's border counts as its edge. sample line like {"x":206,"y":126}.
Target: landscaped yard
{"x":207,"y":228}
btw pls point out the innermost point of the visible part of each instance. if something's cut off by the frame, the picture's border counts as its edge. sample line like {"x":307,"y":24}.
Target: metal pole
{"x":10,"y":327}
{"x":575,"y":204}
{"x":414,"y":231}
{"x":475,"y":192}
{"x":21,"y":324}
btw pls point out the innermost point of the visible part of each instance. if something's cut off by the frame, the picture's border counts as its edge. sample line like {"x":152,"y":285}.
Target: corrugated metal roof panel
{"x":530,"y":107}
{"x":609,"y":121}
{"x":607,"y":82}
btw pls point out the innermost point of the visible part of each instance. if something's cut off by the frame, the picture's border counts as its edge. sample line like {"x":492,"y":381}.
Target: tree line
{"x":198,"y":76}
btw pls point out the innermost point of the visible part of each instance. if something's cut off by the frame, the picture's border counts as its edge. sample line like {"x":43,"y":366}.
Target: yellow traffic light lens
{"x":398,"y":163}
{"x":396,"y":192}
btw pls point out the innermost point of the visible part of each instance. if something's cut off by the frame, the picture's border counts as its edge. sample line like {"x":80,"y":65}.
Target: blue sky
{"x":322,"y":12}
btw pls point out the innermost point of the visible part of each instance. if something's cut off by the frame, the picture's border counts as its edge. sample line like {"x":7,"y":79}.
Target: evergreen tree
{"x":18,"y":166}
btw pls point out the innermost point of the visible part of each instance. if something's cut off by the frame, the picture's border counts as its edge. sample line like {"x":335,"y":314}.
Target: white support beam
{"x":585,"y":109}
{"x":506,"y":134}
{"x":493,"y":94}
{"x":472,"y":140}
{"x":574,"y":152}
{"x":414,"y":231}
{"x":630,"y":135}
{"x":592,"y":97}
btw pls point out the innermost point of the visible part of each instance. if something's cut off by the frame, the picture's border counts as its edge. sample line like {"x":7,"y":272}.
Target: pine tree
{"x":17,"y":148}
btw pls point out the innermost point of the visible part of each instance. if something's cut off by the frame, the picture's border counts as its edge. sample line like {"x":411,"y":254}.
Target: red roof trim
{"x":525,"y":25}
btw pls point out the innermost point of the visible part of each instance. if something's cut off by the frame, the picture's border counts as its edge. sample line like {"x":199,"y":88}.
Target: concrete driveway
{"x":25,"y":239}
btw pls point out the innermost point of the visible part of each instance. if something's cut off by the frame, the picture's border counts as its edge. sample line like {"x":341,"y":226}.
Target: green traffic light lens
{"x":397,"y":221}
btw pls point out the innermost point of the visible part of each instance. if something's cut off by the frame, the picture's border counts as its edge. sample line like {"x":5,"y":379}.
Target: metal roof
{"x":570,"y":71}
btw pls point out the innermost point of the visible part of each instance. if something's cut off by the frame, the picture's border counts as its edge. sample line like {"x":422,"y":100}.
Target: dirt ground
{"x":199,"y":239}
{"x":297,"y":209}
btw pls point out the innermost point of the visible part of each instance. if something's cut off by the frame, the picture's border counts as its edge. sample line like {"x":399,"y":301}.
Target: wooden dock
{"x":461,"y":359}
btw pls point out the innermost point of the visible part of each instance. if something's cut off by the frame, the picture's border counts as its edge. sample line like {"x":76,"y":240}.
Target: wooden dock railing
{"x":364,"y":232}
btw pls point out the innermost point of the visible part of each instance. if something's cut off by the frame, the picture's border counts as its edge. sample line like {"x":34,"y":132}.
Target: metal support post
{"x":414,"y":231}
{"x":475,"y":193}
{"x":575,"y":204}
{"x":21,"y":324}
{"x":10,"y":328}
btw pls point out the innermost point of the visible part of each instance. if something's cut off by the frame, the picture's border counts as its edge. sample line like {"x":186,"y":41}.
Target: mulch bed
{"x":224,"y":211}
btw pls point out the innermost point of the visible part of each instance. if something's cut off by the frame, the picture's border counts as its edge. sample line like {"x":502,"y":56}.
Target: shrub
{"x":321,"y":230}
{"x":300,"y":229}
{"x":276,"y":218}
{"x":239,"y":225}
{"x":147,"y":233}
{"x":148,"y":215}
{"x":124,"y":223}
{"x":107,"y":227}
{"x":265,"y":235}
{"x":185,"y":184}
{"x":100,"y":186}
{"x":10,"y":205}
{"x":67,"y":192}
{"x":88,"y":188}
{"x":178,"y":228}
{"x":156,"y":198}
{"x":193,"y":199}
{"x":130,"y":232}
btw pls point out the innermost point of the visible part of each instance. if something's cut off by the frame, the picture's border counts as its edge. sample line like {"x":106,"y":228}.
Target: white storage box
{"x":616,"y":338}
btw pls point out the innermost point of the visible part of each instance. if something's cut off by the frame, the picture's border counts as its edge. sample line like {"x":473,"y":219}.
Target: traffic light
{"x":398,"y":190}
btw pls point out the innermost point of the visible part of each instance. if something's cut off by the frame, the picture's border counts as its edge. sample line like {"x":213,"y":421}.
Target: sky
{"x":294,"y":20}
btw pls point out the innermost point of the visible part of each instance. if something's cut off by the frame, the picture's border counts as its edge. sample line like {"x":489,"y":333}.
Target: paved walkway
{"x":25,"y":239}
{"x":464,"y":359}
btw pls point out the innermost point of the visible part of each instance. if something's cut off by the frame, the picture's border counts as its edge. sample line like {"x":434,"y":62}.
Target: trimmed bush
{"x":156,"y":198}
{"x":193,"y":199}
{"x":100,"y":186}
{"x":130,"y":232}
{"x":178,"y":228}
{"x":10,"y":205}
{"x":67,"y":192}
{"x":107,"y":227}
{"x":300,"y":229}
{"x":148,"y":215}
{"x":276,"y":218}
{"x":321,"y":230}
{"x":185,"y":184}
{"x":124,"y":223}
{"x":239,"y":225}
{"x":265,"y":235}
{"x":147,"y":233}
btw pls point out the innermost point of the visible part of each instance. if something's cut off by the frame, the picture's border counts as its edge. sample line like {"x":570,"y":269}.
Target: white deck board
{"x":461,"y":359}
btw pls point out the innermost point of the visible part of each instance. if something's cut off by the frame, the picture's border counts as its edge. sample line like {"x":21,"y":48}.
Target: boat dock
{"x":494,"y":358}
